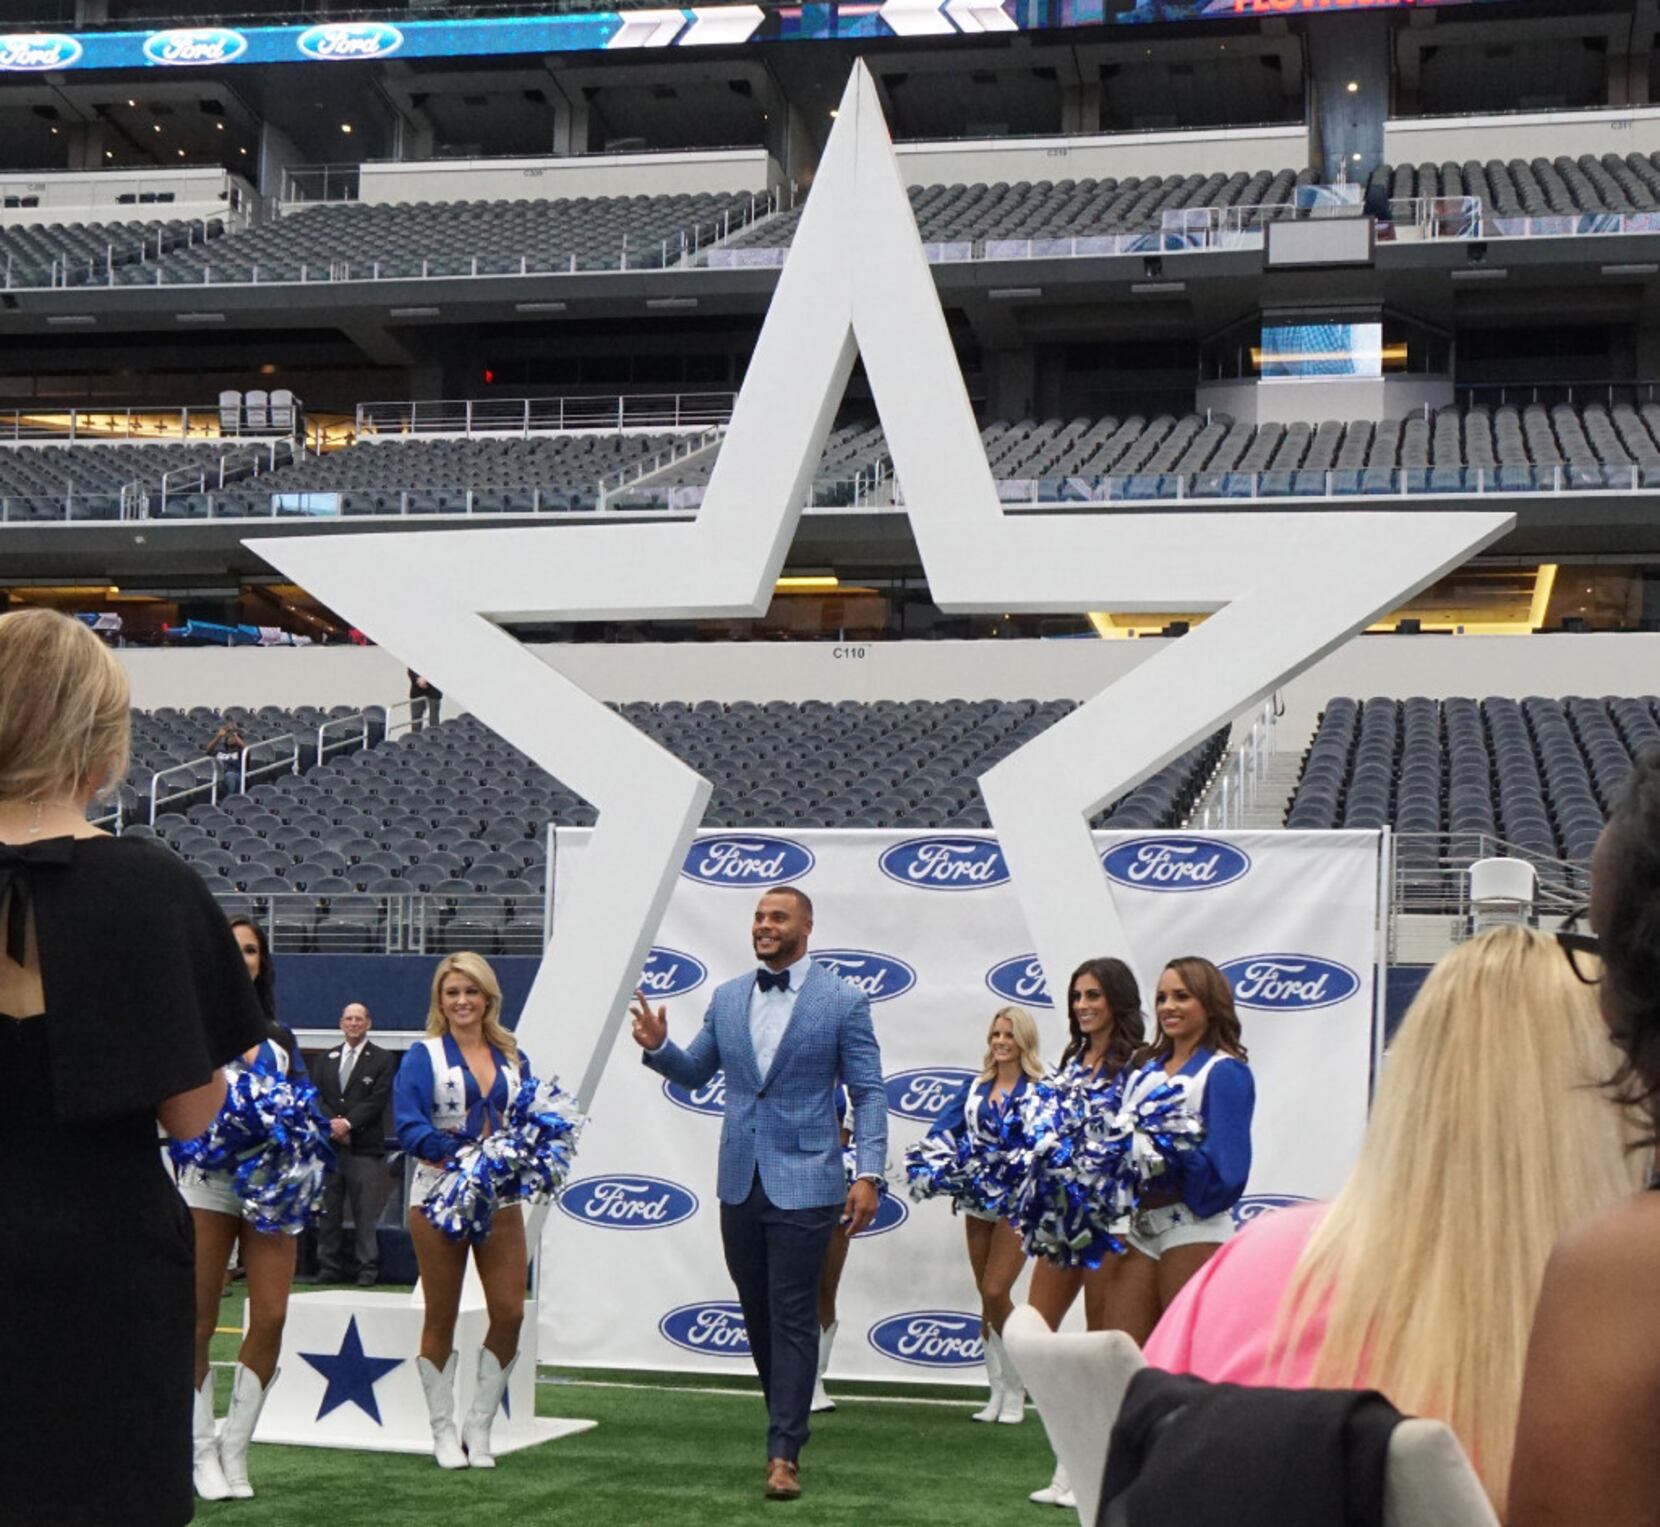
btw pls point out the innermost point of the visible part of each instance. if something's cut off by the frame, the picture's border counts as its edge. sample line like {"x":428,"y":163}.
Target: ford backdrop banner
{"x":927,"y":926}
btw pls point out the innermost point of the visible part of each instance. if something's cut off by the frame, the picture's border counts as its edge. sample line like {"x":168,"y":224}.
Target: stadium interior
{"x":1404,"y":257}
{"x":1268,"y":257}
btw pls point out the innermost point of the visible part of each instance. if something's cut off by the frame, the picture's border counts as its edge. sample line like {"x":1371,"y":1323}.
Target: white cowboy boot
{"x":826,"y":1340}
{"x":1058,"y":1492}
{"x":475,"y":1430}
{"x":439,"y":1384}
{"x":247,"y":1400}
{"x":1013,"y":1409}
{"x":994,"y":1376}
{"x":209,"y":1476}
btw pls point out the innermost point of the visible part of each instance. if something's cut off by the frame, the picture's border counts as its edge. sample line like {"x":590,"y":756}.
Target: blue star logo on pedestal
{"x":351,"y":1374}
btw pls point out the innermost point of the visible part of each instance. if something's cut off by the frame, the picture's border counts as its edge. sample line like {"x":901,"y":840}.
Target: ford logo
{"x":626,"y":1202}
{"x":195,"y":45}
{"x":709,"y":1098}
{"x":746,"y":859}
{"x":922,"y":1094}
{"x":31,"y":51}
{"x":945,"y":864}
{"x":1289,"y":983}
{"x":881,"y":977}
{"x":350,"y":39}
{"x":1021,"y":981}
{"x":715,"y":1329}
{"x":1175,"y":864}
{"x":1255,"y":1205}
{"x":671,"y":973}
{"x":931,"y":1339}
{"x":891,"y":1212}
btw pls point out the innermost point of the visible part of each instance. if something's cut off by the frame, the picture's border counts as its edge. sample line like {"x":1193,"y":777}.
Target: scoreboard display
{"x":689,"y":26}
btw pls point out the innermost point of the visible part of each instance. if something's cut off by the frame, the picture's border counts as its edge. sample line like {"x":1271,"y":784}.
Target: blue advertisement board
{"x":213,"y":46}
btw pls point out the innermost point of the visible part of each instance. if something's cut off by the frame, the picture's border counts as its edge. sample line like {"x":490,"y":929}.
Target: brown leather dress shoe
{"x":783,"y":1480}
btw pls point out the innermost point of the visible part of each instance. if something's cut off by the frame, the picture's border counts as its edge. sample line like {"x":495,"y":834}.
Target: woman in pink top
{"x":1488,"y":1137}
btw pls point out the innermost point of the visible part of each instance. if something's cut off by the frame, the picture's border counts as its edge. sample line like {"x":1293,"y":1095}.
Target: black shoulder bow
{"x":18,"y":861}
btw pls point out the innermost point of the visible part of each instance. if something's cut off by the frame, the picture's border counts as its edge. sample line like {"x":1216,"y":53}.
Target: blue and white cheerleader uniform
{"x":1209,"y":1178}
{"x":216,"y":1191}
{"x":437,"y":1106}
{"x":971,"y":1114}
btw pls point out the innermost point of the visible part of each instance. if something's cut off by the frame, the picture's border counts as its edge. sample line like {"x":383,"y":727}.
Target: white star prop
{"x":1288,"y":588}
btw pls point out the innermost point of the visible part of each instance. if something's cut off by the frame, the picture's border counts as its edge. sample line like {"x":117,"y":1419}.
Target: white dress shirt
{"x":769,"y":1014}
{"x":349,"y":1057}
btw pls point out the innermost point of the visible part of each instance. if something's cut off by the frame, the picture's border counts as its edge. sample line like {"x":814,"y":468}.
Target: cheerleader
{"x":1181,"y":1224}
{"x":1108,"y":1027}
{"x":221,"y":1221}
{"x":453,"y":1088}
{"x":1009,"y":1067}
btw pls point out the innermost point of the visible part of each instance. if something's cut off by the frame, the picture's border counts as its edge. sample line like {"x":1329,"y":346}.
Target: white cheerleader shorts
{"x":211,"y":1191}
{"x":1156,"y":1231}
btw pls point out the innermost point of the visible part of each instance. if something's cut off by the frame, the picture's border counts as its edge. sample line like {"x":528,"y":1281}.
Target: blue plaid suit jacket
{"x":783,"y":1125}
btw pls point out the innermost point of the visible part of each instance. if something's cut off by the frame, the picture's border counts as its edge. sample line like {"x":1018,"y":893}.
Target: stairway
{"x":1279,"y":779}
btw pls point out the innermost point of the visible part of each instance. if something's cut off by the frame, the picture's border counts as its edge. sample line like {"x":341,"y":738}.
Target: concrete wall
{"x":1521,"y":135}
{"x":671,"y":174}
{"x":93,"y":196}
{"x":1346,"y":399}
{"x":1436,"y":666}
{"x":1118,"y":155}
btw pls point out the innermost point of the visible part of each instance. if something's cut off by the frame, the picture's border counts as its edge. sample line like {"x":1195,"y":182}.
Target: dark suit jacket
{"x":366,"y":1096}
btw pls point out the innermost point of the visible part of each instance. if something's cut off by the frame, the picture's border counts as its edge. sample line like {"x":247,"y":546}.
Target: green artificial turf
{"x":663,"y":1455}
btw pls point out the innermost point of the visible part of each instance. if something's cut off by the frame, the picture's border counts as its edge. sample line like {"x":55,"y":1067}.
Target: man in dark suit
{"x":354,"y":1083}
{"x":785,"y":1035}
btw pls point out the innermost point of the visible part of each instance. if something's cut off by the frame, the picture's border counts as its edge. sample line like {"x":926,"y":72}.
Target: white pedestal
{"x":362,"y":1390}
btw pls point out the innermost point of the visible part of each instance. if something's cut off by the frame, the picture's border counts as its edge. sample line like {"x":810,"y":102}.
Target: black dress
{"x":97,"y":1301}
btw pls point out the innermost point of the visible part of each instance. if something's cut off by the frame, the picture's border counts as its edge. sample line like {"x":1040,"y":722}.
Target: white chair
{"x":282,"y":411}
{"x":230,"y":413}
{"x":1078,"y":1383}
{"x":255,"y":405}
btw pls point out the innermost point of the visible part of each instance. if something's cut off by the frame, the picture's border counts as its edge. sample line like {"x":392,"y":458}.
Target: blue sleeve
{"x":860,"y":1064}
{"x":694,"y":1065}
{"x":297,"y":1068}
{"x":1212,"y":1175}
{"x":955,"y":1115}
{"x":412,"y":1108}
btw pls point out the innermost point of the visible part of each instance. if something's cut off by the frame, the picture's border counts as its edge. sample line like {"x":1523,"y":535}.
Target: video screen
{"x":1296,"y":352}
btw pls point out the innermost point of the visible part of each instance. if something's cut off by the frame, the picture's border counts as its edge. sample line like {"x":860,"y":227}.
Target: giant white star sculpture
{"x":1288,"y":587}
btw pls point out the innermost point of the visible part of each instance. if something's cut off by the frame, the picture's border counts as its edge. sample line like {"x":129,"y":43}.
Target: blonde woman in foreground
{"x":1488,"y":1138}
{"x":454,"y":1087}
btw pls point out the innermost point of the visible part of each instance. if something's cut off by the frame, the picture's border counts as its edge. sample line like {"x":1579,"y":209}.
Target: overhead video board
{"x":342,"y":42}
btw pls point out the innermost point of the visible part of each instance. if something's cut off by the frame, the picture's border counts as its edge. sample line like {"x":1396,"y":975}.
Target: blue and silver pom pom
{"x":1085,"y":1154}
{"x":525,"y":1161}
{"x":270,"y":1139}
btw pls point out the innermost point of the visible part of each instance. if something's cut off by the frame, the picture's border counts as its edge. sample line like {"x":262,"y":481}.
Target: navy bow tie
{"x":767,"y":980}
{"x":16,"y":861}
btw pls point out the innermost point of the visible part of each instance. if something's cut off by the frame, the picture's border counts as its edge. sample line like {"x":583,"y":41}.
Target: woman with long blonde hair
{"x":1010,"y":1065}
{"x":454,"y":1088}
{"x":1487,"y":1138}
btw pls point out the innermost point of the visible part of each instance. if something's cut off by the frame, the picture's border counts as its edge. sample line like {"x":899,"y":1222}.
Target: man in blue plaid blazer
{"x":785,"y":1034}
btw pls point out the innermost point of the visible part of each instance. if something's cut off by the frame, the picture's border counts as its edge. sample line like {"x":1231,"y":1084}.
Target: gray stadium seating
{"x":1538,"y":774}
{"x":84,"y":254}
{"x":455,"y":817}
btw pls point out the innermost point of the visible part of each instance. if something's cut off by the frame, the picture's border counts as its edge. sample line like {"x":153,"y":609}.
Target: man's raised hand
{"x":651,"y":1029}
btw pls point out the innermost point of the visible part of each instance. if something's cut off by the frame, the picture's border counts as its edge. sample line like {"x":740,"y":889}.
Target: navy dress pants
{"x":774,"y":1256}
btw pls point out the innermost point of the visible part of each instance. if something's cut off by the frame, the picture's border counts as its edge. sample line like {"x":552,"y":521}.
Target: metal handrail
{"x":1432,"y":873}
{"x":404,"y":923}
{"x":162,"y":426}
{"x":680,"y":450}
{"x":290,"y":765}
{"x":610,"y":414}
{"x":360,"y":719}
{"x":157,"y":801}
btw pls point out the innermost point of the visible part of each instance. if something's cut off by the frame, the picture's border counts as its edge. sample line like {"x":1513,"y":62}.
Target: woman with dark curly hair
{"x":1591,"y":1396}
